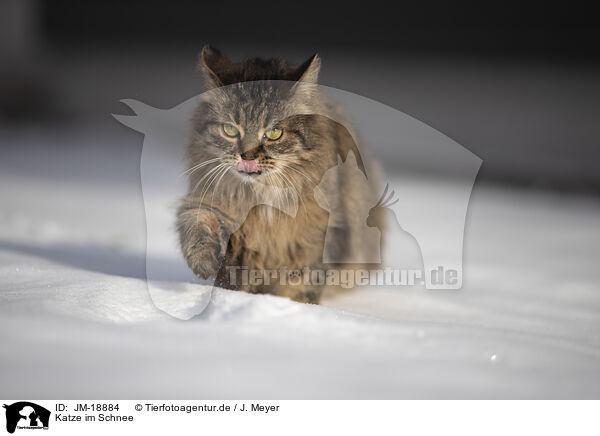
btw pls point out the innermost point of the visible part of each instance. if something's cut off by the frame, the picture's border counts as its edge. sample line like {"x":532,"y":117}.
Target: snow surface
{"x":76,"y":319}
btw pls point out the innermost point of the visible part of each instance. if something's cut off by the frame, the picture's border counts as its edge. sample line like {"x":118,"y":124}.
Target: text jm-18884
{"x":95,"y":407}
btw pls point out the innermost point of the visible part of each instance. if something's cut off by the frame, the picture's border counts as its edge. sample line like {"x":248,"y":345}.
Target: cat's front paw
{"x":205,"y":256}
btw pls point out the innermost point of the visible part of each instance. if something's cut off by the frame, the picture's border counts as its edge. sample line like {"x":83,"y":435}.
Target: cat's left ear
{"x":213,"y":64}
{"x":308,"y":72}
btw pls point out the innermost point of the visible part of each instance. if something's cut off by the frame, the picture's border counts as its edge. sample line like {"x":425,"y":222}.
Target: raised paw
{"x":205,"y":256}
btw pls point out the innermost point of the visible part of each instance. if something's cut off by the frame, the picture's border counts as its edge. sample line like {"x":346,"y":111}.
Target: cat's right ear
{"x":308,"y":72}
{"x":212,"y":65}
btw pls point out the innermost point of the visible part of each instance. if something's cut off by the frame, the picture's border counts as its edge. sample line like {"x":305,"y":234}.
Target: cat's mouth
{"x":249,"y":167}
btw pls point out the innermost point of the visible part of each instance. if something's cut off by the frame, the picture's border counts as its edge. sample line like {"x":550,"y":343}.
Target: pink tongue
{"x":248,"y":166}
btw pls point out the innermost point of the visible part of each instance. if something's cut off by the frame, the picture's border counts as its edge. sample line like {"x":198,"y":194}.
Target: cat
{"x":253,"y":137}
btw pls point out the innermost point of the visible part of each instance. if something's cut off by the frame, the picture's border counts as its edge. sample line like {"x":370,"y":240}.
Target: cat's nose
{"x":248,"y":151}
{"x":249,"y":155}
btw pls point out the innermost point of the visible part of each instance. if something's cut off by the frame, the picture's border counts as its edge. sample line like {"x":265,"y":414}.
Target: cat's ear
{"x":308,"y":72}
{"x":213,"y":64}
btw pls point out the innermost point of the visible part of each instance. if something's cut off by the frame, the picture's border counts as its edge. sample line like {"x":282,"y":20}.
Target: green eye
{"x":274,"y":134}
{"x":230,"y":130}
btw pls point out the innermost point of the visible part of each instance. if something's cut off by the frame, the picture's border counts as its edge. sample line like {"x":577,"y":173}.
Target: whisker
{"x":205,"y":176}
{"x":283,"y":190}
{"x":200,"y":165}
{"x":209,"y":183}
{"x":279,"y":197}
{"x":293,"y":186}
{"x":316,"y":186}
{"x":217,"y":185}
{"x":211,"y":173}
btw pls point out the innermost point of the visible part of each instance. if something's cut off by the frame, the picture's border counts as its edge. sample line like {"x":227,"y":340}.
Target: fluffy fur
{"x":218,"y":222}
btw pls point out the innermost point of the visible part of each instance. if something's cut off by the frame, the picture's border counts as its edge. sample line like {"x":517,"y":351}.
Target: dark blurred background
{"x":516,"y":83}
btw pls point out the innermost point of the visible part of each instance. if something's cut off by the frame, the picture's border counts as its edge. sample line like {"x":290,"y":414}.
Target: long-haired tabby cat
{"x":254,"y":138}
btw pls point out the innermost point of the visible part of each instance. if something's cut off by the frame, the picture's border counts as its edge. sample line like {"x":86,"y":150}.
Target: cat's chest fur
{"x":270,"y":239}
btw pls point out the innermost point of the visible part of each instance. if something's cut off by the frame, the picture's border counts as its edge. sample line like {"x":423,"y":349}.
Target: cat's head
{"x":253,"y":118}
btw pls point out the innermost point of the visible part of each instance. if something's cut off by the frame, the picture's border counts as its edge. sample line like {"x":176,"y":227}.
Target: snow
{"x":76,"y":318}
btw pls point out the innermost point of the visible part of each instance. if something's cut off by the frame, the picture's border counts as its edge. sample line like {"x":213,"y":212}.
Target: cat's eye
{"x":230,"y":130}
{"x":273,"y":134}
